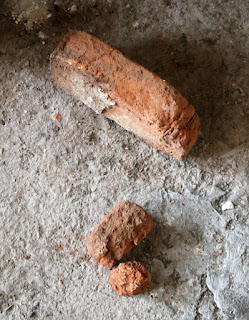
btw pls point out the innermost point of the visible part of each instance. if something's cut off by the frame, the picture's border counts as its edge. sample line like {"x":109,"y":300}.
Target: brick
{"x":118,"y":232}
{"x":130,"y":278}
{"x":137,"y":99}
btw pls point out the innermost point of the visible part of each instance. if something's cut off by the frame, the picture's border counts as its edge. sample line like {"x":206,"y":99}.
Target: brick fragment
{"x":130,"y":278}
{"x":118,"y":232}
{"x":111,"y":84}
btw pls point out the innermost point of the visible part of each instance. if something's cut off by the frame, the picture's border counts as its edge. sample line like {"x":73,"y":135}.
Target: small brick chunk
{"x":123,"y":91}
{"x":130,"y":278}
{"x":118,"y":232}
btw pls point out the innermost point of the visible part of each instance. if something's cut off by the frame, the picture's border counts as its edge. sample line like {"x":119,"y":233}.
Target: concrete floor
{"x":58,"y":178}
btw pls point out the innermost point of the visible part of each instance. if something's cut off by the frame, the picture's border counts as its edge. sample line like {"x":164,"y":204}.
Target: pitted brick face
{"x":111,"y":84}
{"x":118,"y":232}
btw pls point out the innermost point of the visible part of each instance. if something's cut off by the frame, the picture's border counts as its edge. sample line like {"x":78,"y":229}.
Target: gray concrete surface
{"x":58,"y":178}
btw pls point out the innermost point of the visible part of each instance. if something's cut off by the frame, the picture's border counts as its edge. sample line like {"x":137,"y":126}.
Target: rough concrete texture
{"x":126,"y":92}
{"x":118,"y":232}
{"x":130,"y":278}
{"x":59,"y":177}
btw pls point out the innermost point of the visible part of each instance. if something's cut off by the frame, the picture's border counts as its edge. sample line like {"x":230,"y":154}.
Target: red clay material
{"x":130,"y":278}
{"x":118,"y":232}
{"x":138,"y":100}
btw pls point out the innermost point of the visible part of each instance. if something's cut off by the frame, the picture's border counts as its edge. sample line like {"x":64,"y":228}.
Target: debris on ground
{"x":123,"y":228}
{"x":130,"y":278}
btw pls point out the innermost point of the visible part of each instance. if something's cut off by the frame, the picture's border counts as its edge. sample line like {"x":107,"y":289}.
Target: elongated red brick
{"x":111,"y":84}
{"x":118,"y":232}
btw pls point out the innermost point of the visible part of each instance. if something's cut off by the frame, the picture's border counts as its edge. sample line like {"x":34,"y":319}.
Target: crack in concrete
{"x":198,"y":315}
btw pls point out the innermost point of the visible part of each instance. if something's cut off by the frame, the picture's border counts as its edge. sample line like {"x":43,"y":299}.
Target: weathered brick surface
{"x":130,"y":278}
{"x":118,"y":232}
{"x":138,"y":100}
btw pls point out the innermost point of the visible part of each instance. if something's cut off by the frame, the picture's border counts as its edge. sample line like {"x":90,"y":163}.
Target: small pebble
{"x":136,"y":24}
{"x":42,"y":35}
{"x":73,"y":8}
{"x":57,"y":116}
{"x":2,"y":122}
{"x":228,"y":205}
